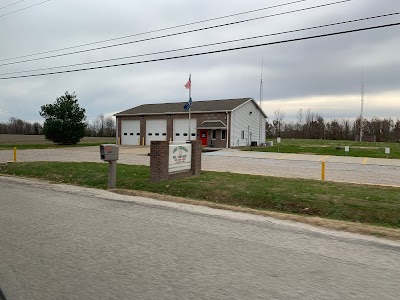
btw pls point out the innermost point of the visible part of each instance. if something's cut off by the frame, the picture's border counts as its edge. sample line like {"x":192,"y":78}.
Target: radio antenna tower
{"x":261,"y":98}
{"x":362,"y":104}
{"x":261,"y":81}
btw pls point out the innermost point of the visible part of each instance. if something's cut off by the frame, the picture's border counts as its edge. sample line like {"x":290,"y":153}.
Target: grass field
{"x":374,"y":205}
{"x":8,"y":141}
{"x":330,"y":147}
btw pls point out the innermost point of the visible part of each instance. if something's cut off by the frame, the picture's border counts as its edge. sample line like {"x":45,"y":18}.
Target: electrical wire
{"x":157,"y":30}
{"x":12,"y":4}
{"x":4,"y":112}
{"x":208,"y":45}
{"x":209,"y":52}
{"x":24,"y":8}
{"x":177,"y":33}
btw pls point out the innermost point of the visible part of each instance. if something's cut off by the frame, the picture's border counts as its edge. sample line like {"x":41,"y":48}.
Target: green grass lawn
{"x":330,"y":147}
{"x":374,"y":205}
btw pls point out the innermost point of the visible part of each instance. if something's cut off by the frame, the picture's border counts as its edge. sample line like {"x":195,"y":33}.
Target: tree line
{"x":18,"y":126}
{"x":101,"y":126}
{"x":65,"y":122}
{"x":311,"y":125}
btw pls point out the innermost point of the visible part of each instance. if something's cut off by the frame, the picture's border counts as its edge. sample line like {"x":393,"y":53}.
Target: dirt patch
{"x":389,"y":233}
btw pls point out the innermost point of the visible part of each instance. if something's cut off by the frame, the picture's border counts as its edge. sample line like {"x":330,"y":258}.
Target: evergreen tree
{"x":64,"y":120}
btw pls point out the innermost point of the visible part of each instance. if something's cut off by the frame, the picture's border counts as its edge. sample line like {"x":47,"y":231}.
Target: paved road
{"x":63,"y":242}
{"x":341,"y":169}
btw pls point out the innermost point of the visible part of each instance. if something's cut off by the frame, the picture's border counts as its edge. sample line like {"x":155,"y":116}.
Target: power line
{"x":12,"y":4}
{"x":4,"y":112}
{"x":24,"y":8}
{"x":208,"y":45}
{"x":157,"y":30}
{"x":209,"y":52}
{"x":177,"y":33}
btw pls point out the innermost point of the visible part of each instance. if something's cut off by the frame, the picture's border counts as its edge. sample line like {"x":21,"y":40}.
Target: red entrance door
{"x":203,"y":137}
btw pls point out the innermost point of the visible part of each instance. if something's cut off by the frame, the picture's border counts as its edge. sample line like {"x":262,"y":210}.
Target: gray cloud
{"x":325,"y":67}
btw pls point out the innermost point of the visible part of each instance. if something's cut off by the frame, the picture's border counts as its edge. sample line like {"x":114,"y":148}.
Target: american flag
{"x":188,"y":84}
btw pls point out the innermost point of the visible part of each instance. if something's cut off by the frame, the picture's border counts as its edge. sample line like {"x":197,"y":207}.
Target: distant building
{"x":217,"y":123}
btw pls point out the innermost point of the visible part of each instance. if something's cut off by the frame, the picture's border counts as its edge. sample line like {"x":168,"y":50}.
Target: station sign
{"x":180,"y":158}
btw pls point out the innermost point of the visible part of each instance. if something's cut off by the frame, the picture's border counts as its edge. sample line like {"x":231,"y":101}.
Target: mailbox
{"x":109,"y":152}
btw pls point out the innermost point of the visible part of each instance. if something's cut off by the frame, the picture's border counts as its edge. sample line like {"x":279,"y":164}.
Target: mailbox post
{"x":110,"y":153}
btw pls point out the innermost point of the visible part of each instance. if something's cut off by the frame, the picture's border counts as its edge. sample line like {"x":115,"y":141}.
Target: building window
{"x":223,"y":134}
{"x":185,"y":134}
{"x":177,"y":134}
{"x":214,"y":134}
{"x":193,"y":134}
{"x":138,"y":133}
{"x":164,"y":134}
{"x":131,"y":133}
{"x":125,"y":133}
{"x":242,"y":135}
{"x":150,"y":134}
{"x":157,"y":134}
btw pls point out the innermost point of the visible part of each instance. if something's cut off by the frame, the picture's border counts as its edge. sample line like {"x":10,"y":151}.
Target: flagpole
{"x":190,"y":107}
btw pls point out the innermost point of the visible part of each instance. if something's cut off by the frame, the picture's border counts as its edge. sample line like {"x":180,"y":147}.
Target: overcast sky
{"x":322,"y":74}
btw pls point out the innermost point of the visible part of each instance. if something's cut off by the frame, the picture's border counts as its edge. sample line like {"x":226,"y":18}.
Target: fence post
{"x":15,"y":154}
{"x":323,"y":171}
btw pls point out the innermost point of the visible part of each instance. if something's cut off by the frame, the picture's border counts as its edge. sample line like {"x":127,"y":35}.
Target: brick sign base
{"x":159,"y":158}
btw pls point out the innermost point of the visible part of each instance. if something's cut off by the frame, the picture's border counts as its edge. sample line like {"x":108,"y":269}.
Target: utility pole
{"x":261,"y":98}
{"x":362,"y":104}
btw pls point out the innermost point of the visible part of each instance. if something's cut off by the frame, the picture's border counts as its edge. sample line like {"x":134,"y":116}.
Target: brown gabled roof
{"x":198,"y":106}
{"x":212,"y":125}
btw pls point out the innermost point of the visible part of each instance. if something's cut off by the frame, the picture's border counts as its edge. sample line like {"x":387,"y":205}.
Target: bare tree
{"x":279,"y":115}
{"x":300,"y":120}
{"x":109,"y":125}
{"x":395,"y":135}
{"x":99,"y":125}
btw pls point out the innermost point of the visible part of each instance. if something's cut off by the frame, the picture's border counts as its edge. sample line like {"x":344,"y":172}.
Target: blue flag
{"x":188,"y":105}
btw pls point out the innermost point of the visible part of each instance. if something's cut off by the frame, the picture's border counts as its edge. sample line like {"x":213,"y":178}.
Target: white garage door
{"x":156,"y":130}
{"x":130,"y":132}
{"x":181,"y":129}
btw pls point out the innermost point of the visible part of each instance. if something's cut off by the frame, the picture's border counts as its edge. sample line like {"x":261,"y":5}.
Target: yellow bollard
{"x":323,"y":171}
{"x":143,"y":142}
{"x":15,"y":154}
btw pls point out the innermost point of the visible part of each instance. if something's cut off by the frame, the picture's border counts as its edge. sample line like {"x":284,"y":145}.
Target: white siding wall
{"x":242,"y":120}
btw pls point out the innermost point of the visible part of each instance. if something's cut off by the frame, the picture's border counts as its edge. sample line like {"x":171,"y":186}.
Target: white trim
{"x":227,"y":129}
{"x":223,"y":139}
{"x":211,"y":128}
{"x":116,"y":132}
{"x":171,"y":113}
{"x":213,"y":121}
{"x":254,"y":101}
{"x":242,"y":104}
